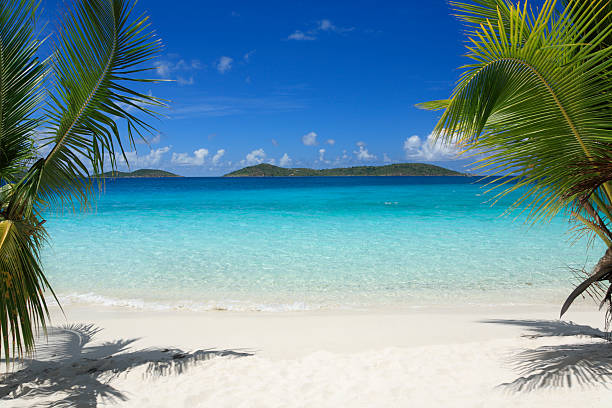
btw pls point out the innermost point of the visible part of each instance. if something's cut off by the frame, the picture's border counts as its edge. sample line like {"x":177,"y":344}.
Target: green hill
{"x":403,"y":169}
{"x":142,"y":173}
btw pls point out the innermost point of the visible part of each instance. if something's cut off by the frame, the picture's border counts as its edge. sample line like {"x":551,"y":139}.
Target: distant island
{"x":142,"y":173}
{"x":403,"y":169}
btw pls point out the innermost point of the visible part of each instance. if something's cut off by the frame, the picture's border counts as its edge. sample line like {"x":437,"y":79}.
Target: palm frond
{"x":99,"y":53}
{"x":100,"y":50}
{"x":434,"y":105}
{"x":21,"y":75}
{"x":535,"y":102}
{"x":22,"y":282}
{"x":530,"y":102}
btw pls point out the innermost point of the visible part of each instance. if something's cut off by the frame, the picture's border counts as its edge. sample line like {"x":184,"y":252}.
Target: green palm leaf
{"x":22,"y":282}
{"x":535,"y":103}
{"x":100,"y":52}
{"x":21,"y":75}
{"x":531,"y":104}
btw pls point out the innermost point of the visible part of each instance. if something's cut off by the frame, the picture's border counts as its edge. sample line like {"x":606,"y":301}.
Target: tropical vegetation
{"x":535,"y":102}
{"x":62,"y":119}
{"x":398,"y":169}
{"x":141,"y":173}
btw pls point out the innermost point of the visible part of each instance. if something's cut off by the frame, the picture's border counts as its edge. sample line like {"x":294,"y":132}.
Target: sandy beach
{"x":507,"y":357}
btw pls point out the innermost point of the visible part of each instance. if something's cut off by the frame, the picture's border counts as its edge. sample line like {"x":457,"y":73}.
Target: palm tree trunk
{"x":601,"y":272}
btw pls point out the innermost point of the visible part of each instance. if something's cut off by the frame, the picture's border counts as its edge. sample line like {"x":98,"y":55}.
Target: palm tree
{"x":60,"y":124}
{"x":535,"y":102}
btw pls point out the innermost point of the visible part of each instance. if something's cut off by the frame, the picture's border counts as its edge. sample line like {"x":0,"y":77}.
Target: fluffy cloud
{"x":185,"y":159}
{"x":138,"y":161}
{"x":285,"y":160}
{"x":309,"y":139}
{"x":255,"y":157}
{"x":330,"y":142}
{"x":224,"y":64}
{"x":363,"y":154}
{"x":428,"y":149}
{"x":412,"y":143}
{"x":321,"y":154}
{"x":218,"y":156}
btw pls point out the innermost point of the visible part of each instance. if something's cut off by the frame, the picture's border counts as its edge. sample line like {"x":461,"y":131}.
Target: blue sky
{"x":303,"y":84}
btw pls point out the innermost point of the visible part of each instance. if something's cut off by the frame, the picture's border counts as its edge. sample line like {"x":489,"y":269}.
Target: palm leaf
{"x":535,"y":103}
{"x":21,"y":75}
{"x":100,"y":50}
{"x":22,"y":282}
{"x":530,"y":103}
{"x":99,"y":54}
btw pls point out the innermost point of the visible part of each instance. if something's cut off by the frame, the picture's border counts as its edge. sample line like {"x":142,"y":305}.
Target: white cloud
{"x":412,"y":143}
{"x":321,"y":154}
{"x":184,"y":81}
{"x":429,"y":149}
{"x":185,"y":159}
{"x":331,"y":142}
{"x":386,"y":158}
{"x":363,"y":154}
{"x":218,"y":156}
{"x":255,"y":157}
{"x":285,"y":160}
{"x":298,"y":35}
{"x":224,"y":64}
{"x":309,"y":139}
{"x":153,"y":158}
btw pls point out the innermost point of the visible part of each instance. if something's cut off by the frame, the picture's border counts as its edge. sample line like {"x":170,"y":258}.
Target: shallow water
{"x":306,"y":243}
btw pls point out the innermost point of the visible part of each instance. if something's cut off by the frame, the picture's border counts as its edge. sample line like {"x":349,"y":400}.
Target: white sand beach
{"x":470,"y":357}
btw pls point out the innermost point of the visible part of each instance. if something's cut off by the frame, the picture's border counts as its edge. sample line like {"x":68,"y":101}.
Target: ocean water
{"x":276,"y":244}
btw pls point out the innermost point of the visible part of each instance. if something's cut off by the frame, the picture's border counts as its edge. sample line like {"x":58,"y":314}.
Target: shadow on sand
{"x":75,"y":374}
{"x":578,"y":364}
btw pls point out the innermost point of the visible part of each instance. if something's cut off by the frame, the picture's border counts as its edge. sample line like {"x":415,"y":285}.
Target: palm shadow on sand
{"x":583,"y":364}
{"x":73,"y":373}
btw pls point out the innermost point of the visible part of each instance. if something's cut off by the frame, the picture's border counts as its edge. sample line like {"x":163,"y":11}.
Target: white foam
{"x":187,"y":305}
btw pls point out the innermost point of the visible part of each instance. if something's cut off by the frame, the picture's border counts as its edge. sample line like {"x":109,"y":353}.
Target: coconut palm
{"x":535,"y":102}
{"x":60,"y":122}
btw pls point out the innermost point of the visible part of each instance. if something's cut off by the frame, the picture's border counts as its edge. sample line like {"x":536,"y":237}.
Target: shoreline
{"x":418,"y":300}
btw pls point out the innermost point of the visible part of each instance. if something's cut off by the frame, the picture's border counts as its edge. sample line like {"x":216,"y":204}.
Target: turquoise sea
{"x":276,"y":244}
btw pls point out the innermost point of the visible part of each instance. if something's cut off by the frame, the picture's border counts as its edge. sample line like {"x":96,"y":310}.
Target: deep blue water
{"x":304,"y":243}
